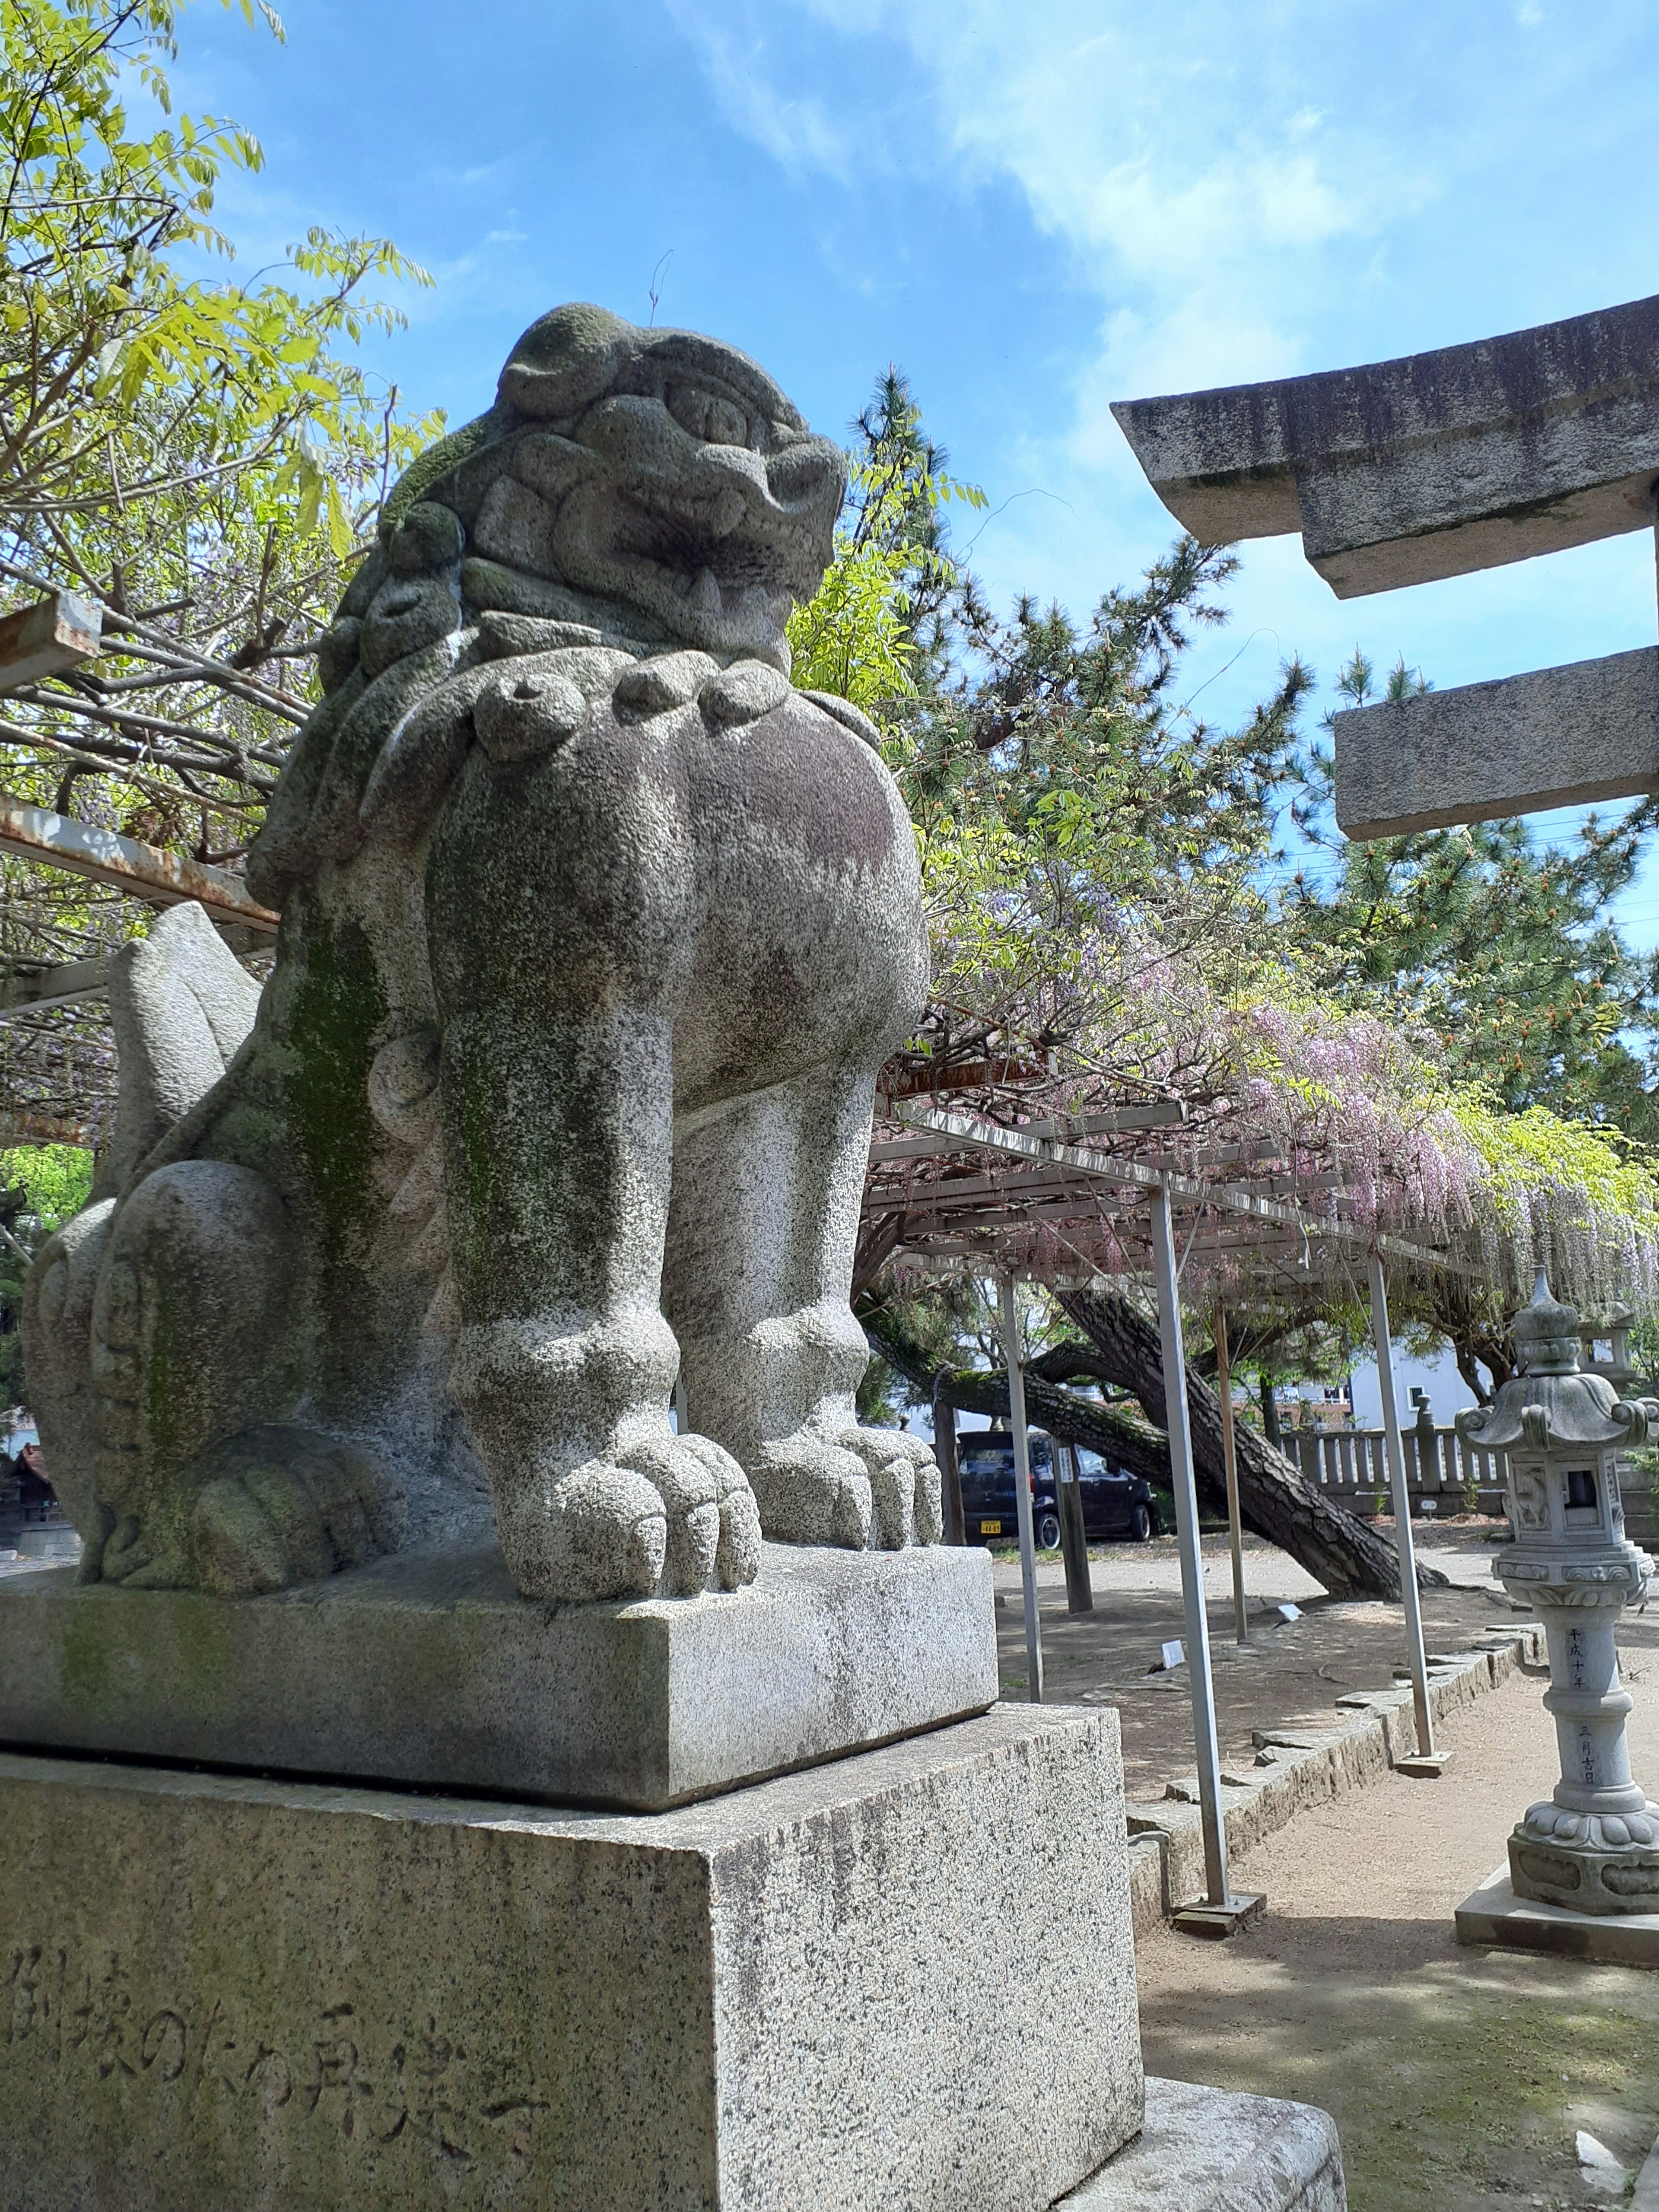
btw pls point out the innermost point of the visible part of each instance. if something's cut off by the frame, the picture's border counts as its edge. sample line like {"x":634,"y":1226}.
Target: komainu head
{"x":653,"y":482}
{"x":651,"y":491}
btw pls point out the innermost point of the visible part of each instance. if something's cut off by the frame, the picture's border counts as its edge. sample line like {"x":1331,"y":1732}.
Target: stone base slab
{"x":428,"y":1668}
{"x":1206,"y":2150}
{"x":903,"y":1980}
{"x":1494,"y":1915}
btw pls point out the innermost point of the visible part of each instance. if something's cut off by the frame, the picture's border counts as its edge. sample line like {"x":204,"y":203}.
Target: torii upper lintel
{"x":1427,"y":466}
{"x":1433,"y":465}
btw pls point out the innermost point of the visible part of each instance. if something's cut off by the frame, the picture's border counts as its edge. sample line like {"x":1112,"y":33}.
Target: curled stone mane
{"x":642,"y":492}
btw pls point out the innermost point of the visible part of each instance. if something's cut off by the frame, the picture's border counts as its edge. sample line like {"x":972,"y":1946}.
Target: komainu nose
{"x":811,"y":474}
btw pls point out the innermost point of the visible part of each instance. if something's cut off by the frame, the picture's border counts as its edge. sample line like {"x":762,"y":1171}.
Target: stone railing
{"x":1440,"y":1467}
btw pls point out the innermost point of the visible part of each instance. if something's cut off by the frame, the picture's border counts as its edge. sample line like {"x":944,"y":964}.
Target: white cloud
{"x":741,"y":63}
{"x":1194,"y":158}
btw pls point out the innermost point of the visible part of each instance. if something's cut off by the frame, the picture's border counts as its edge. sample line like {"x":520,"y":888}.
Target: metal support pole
{"x":1013,"y":1358}
{"x":1428,"y":1761}
{"x":1192,"y":1564}
{"x":1224,"y":1384}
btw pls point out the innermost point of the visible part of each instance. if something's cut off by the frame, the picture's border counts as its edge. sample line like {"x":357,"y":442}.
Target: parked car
{"x":1116,"y":1504}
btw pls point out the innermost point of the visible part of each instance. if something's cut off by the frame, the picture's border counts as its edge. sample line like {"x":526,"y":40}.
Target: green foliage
{"x":123,"y":381}
{"x":56,"y":1180}
{"x":875,"y":632}
{"x":202,"y":457}
{"x":41,"y":1186}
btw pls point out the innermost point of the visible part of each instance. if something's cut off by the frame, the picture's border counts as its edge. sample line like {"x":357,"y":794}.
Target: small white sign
{"x":1290,"y":1613}
{"x":1173,"y":1655}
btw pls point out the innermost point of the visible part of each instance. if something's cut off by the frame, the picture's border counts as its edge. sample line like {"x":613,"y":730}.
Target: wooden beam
{"x":26,"y":1128}
{"x":1162,"y":1114}
{"x":48,"y":639}
{"x":68,"y":986}
{"x":145,"y":872}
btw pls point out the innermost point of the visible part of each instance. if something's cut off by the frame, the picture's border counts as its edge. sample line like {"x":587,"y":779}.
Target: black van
{"x":1116,"y":1504}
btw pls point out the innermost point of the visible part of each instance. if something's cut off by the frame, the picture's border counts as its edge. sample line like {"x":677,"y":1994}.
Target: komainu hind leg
{"x":192,"y":1343}
{"x":761,"y":1231}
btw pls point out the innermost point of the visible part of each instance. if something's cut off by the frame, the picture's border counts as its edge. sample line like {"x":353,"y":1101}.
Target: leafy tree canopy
{"x":201,"y":455}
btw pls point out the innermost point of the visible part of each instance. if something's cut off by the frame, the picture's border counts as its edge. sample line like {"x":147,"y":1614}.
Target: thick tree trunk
{"x":1348,"y":1556}
{"x":1113,"y":1430}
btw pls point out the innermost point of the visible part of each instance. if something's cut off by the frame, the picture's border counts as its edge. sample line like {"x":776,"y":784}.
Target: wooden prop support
{"x":1073,"y":1536}
{"x":1014,"y":1358}
{"x":1224,"y":1384}
{"x":949,"y":1467}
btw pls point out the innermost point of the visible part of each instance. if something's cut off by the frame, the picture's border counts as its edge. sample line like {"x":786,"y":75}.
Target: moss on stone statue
{"x":339,"y":1006}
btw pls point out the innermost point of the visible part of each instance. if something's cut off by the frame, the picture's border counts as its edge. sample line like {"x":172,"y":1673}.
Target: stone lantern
{"x":1592,"y":1847}
{"x":1611,"y":1324}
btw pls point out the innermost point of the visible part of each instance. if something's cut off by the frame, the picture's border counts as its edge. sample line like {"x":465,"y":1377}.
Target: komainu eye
{"x":705,"y":415}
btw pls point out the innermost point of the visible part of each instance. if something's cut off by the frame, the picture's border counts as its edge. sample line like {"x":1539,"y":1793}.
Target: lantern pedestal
{"x":1494,"y":1916}
{"x":1592,"y":1846}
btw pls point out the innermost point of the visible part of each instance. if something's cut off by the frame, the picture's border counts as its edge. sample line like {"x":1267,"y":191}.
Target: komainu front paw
{"x":292,"y":1507}
{"x":905,"y":1485}
{"x":853,"y":1487}
{"x":669,"y":1516}
{"x":812,"y":1491}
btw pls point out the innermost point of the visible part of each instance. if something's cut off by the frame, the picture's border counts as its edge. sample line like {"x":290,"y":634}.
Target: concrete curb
{"x":1302,"y":1767}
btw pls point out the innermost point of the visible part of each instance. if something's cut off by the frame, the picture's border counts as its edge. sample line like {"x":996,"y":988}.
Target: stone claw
{"x":810,"y":1491}
{"x":904,"y":1483}
{"x":294,"y":1507}
{"x":666,"y":1516}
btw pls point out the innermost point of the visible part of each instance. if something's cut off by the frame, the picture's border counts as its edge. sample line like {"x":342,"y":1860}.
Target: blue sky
{"x":1033,"y":206}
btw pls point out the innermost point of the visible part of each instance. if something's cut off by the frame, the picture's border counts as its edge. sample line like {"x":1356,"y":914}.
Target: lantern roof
{"x":1549,"y":1405}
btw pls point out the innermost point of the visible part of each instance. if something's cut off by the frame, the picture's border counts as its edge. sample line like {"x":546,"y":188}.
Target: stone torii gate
{"x":1434,"y":465}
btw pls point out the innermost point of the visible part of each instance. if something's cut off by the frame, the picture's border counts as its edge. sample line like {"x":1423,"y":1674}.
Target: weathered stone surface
{"x":594,"y":936}
{"x":428,"y":1668}
{"x":236,"y":1996}
{"x":1207,"y":2150}
{"x":1493,"y":1915}
{"x":1429,"y":466}
{"x":1557,"y":737}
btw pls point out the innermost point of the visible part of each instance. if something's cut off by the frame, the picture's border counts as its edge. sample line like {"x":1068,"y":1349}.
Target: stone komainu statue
{"x":594,"y":935}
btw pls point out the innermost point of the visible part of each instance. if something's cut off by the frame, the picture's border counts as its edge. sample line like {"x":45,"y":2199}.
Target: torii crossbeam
{"x":1433,"y":465}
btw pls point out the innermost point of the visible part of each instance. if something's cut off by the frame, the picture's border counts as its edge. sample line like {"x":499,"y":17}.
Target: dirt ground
{"x":1458,"y":2078}
{"x":1289,"y":1672}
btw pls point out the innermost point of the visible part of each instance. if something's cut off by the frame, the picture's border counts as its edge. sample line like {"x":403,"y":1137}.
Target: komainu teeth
{"x":705,"y":594}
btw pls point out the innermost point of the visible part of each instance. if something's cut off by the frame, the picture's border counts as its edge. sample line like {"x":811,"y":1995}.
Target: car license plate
{"x":990,"y":1528}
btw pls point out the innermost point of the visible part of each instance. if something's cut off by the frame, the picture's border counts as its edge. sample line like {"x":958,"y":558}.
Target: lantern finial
{"x":1546,"y":1334}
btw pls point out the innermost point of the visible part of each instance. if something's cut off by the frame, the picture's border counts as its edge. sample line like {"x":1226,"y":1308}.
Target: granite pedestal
{"x":905,"y":1979}
{"x":428,"y":1668}
{"x":1208,"y":2150}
